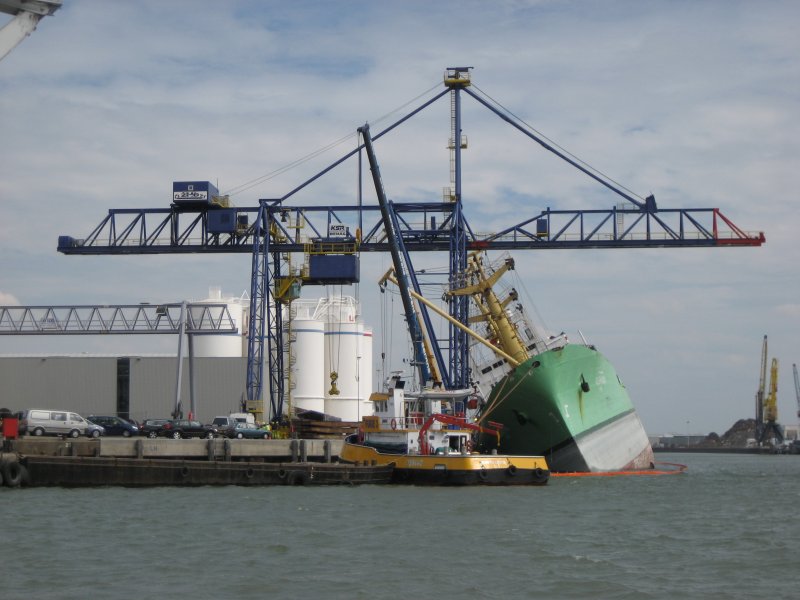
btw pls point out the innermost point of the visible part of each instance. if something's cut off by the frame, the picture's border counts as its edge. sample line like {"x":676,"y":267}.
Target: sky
{"x":107,"y":103}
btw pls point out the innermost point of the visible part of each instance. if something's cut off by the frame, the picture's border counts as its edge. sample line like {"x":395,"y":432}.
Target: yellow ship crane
{"x":491,"y":308}
{"x":771,"y":403}
{"x":767,"y":427}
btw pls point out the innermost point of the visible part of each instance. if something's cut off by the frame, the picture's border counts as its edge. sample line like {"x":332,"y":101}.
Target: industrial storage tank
{"x":228,"y":344}
{"x":307,"y":360}
{"x":341,"y":363}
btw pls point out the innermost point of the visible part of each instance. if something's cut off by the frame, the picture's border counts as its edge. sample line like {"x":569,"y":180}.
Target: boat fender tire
{"x":12,"y":474}
{"x":394,"y":423}
{"x":539,"y":475}
{"x":281,"y":473}
{"x":512,"y":470}
{"x":184,"y":472}
{"x":249,"y":472}
{"x":1,"y":479}
{"x":483,"y":474}
{"x":296,"y":478}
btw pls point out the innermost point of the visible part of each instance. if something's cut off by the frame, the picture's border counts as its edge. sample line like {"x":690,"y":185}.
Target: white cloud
{"x":8,"y":300}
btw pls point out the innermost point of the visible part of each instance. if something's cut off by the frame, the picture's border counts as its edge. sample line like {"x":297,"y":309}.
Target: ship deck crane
{"x":266,"y":232}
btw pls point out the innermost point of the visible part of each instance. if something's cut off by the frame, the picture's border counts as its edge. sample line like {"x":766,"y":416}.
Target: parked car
{"x":248,"y":430}
{"x":52,"y":422}
{"x":184,"y":428}
{"x":93,"y":430}
{"x":114,"y":425}
{"x":151,"y":427}
{"x":224,"y":425}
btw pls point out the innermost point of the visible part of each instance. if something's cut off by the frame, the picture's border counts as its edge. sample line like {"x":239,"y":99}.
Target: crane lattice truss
{"x":270,"y":229}
{"x":206,"y":318}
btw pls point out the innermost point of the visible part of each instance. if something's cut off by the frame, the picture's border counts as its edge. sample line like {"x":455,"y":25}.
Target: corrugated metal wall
{"x":76,"y":384}
{"x":220,"y":385}
{"x":88,"y":385}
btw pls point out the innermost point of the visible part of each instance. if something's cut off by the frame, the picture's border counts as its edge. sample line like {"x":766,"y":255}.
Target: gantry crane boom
{"x":420,"y":226}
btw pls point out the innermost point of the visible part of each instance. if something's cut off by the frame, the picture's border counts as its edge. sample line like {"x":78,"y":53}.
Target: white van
{"x":52,"y":422}
{"x":243,"y":417}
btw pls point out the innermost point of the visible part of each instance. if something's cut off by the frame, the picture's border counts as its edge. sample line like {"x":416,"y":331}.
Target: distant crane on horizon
{"x":767,"y":407}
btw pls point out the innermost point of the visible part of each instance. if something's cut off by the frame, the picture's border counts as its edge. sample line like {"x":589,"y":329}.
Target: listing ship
{"x":553,"y":398}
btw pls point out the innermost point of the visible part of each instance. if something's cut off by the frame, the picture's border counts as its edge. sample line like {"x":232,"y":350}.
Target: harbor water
{"x":728,"y":527}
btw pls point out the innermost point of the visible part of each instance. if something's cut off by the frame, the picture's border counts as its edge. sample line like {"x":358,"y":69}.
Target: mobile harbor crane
{"x":767,"y":427}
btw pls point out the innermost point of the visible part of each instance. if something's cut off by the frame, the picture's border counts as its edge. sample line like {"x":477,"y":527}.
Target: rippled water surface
{"x":727,"y":527}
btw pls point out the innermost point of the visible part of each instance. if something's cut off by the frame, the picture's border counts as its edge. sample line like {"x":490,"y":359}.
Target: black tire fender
{"x":12,"y":473}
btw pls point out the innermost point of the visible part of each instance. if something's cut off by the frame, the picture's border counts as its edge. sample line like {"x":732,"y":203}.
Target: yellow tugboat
{"x":429,"y":443}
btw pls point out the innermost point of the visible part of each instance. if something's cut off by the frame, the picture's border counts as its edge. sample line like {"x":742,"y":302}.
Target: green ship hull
{"x":568,"y":405}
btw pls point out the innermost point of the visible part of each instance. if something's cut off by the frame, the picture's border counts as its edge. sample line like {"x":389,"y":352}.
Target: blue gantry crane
{"x":201,"y":221}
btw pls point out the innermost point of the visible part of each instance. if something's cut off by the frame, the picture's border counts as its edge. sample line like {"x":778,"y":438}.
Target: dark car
{"x":184,"y":428}
{"x":151,"y":427}
{"x":248,"y":430}
{"x":114,"y":425}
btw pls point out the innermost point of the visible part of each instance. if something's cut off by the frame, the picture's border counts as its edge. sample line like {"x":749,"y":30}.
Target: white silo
{"x":307,"y":359}
{"x":224,"y":344}
{"x":346,"y":356}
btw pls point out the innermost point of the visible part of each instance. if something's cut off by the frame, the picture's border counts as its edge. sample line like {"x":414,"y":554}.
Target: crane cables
{"x":304,"y":159}
{"x":577,"y":159}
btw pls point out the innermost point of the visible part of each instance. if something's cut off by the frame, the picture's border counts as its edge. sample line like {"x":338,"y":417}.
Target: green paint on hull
{"x":554,"y":398}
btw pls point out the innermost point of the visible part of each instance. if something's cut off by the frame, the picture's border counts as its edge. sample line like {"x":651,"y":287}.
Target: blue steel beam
{"x":595,"y":228}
